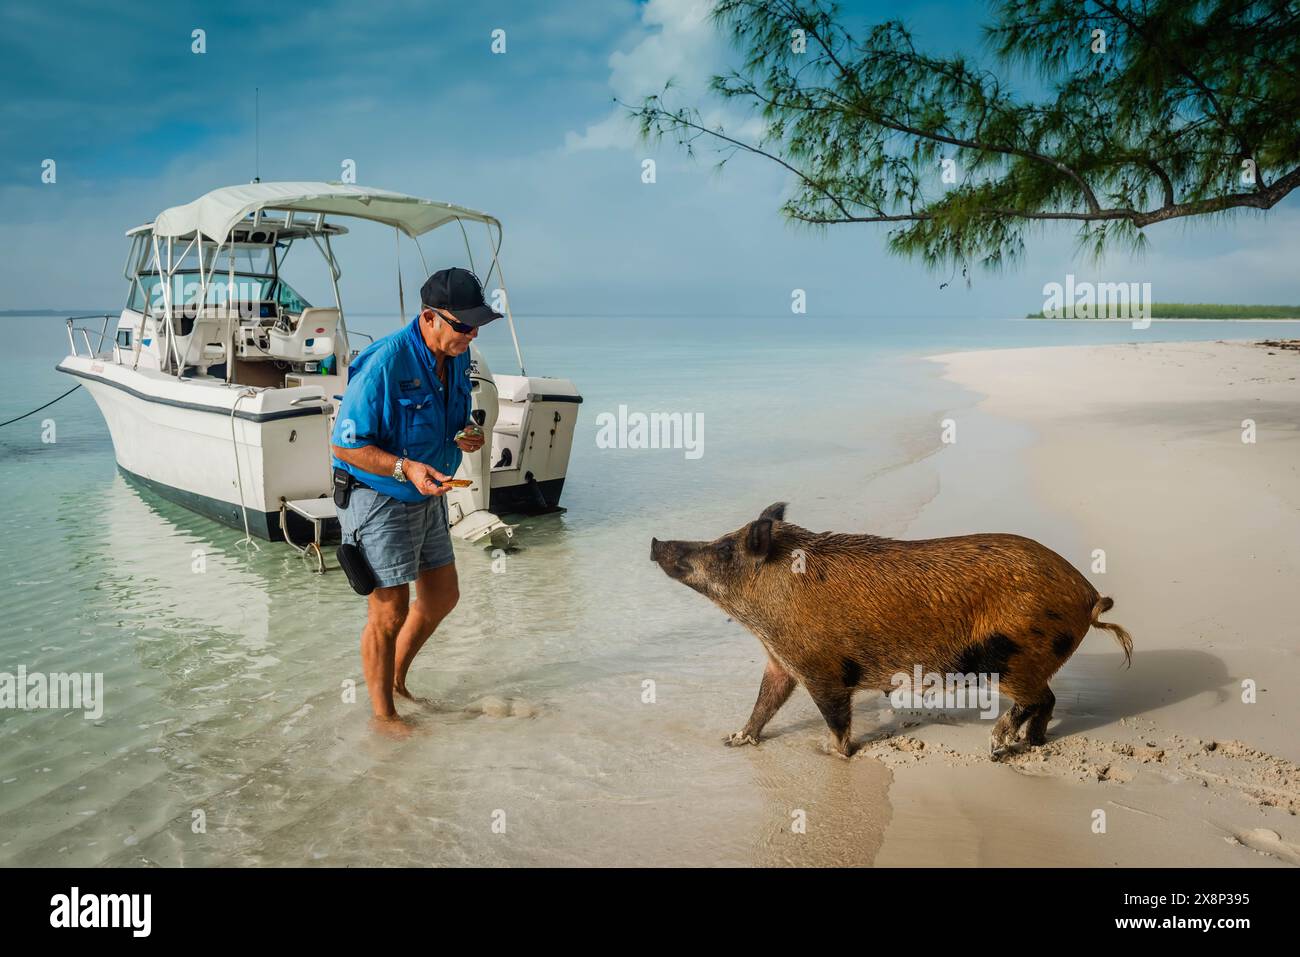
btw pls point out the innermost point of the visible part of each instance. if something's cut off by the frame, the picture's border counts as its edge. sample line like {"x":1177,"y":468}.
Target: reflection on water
{"x":225,"y":672}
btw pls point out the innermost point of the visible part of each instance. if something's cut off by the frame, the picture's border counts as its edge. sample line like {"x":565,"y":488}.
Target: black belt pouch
{"x":353,"y":562}
{"x":343,"y":483}
{"x":349,"y":556}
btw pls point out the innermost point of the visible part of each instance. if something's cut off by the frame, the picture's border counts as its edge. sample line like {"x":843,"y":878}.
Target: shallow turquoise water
{"x":225,"y":688}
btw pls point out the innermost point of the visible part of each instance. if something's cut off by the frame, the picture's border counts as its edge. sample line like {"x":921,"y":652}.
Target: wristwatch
{"x":397,"y":470}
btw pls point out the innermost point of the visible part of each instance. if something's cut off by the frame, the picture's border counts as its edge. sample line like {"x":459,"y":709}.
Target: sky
{"x":413,"y":95}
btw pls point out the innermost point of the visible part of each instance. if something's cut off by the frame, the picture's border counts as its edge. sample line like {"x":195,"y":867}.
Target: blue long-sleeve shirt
{"x":395,"y":401}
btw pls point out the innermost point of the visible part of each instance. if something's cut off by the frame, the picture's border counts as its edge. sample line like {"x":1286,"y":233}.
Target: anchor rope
{"x":38,"y":408}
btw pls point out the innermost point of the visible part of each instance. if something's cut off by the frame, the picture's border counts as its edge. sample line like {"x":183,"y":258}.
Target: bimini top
{"x":215,"y":214}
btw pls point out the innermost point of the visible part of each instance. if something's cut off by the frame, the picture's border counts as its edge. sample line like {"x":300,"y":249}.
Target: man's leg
{"x":387,"y":613}
{"x":436,"y":592}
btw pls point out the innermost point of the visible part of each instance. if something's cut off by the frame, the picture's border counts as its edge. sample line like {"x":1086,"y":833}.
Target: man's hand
{"x":425,"y":479}
{"x":470,"y":439}
{"x":376,"y":461}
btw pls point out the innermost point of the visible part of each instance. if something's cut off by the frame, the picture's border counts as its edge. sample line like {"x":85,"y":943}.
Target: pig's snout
{"x":670,"y":556}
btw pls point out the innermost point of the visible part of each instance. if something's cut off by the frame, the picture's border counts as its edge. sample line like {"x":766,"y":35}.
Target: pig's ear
{"x":775,"y":511}
{"x":758,"y":538}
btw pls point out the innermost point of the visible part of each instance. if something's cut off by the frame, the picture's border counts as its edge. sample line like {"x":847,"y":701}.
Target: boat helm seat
{"x":205,"y":344}
{"x":312,"y":338}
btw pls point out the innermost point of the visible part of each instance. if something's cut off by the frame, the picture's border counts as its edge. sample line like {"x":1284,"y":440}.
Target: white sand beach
{"x":1136,"y":450}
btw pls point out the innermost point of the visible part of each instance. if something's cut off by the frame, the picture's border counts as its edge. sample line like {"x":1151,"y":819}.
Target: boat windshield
{"x":256,"y":277}
{"x":187,"y":285}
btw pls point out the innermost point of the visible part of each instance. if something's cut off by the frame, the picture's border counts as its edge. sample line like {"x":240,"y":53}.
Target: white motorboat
{"x":219,"y":382}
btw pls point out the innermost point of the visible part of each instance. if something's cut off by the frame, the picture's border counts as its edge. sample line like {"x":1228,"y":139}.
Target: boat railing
{"x":353,"y":353}
{"x":97,"y":350}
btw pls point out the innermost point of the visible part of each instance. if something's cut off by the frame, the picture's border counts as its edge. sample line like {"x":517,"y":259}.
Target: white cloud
{"x":676,"y":42}
{"x":684,"y":48}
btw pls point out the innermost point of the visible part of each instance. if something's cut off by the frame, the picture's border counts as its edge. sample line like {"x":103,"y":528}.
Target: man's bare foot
{"x":399,"y":687}
{"x":394,"y":726}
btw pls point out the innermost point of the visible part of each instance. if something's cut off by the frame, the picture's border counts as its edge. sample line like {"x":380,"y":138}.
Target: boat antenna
{"x":257,"y":135}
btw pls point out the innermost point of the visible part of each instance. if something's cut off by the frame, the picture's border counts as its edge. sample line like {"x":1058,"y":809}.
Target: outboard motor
{"x":467,"y":508}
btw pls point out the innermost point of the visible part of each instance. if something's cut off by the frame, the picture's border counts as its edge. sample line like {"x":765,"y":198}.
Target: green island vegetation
{"x":1201,"y":310}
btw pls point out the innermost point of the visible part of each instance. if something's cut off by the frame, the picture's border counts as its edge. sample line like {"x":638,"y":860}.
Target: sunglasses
{"x":445,"y":316}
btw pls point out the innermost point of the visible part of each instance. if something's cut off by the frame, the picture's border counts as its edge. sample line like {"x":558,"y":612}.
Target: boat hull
{"x":183,"y":443}
{"x":527,"y":498}
{"x":233,"y":454}
{"x":265,"y":525}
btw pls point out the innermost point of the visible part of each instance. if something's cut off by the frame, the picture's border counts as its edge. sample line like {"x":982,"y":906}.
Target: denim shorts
{"x":399,"y":539}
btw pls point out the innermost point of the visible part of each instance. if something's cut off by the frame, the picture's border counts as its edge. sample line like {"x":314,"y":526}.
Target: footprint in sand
{"x":494,"y":707}
{"x":1269,"y":842}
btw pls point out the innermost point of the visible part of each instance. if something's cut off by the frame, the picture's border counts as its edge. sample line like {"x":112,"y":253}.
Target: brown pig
{"x":839,"y":612}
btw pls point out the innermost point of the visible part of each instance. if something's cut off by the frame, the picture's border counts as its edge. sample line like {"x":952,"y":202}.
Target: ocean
{"x":229,"y":737}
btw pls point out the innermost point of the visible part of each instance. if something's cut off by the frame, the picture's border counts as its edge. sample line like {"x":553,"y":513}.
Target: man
{"x":400,"y":431}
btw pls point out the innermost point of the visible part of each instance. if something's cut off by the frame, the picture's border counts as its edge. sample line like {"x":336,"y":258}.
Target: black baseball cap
{"x":459,"y":292}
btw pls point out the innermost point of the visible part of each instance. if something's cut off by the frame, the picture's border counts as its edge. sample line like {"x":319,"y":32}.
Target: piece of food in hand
{"x":459,"y":483}
{"x":470,"y":431}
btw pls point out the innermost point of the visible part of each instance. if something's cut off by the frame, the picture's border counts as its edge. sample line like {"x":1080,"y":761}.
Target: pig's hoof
{"x":738,"y":739}
{"x":999,"y":751}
